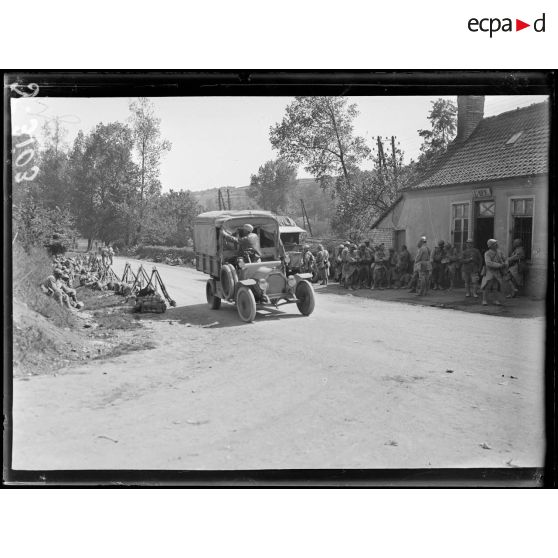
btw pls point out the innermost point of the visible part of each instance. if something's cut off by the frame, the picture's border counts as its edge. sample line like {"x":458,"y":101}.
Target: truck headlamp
{"x":263,"y":284}
{"x":291,"y":281}
{"x":241,"y":263}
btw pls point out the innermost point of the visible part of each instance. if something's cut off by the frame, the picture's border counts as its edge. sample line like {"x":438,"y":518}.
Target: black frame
{"x":253,"y":83}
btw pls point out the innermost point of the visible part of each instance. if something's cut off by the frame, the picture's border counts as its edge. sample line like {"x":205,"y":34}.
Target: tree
{"x":170,"y":218}
{"x":371,"y":192}
{"x":149,"y":148}
{"x":53,"y":162}
{"x":271,"y":186}
{"x":103,"y":177}
{"x":318,"y":133}
{"x":443,"y":122}
{"x":37,"y":219}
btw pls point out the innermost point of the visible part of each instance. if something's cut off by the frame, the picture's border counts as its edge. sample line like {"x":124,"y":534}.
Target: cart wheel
{"x":305,"y":294}
{"x":213,"y":300}
{"x":246,"y":304}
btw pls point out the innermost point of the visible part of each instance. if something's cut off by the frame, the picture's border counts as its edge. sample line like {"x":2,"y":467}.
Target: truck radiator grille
{"x":276,"y":283}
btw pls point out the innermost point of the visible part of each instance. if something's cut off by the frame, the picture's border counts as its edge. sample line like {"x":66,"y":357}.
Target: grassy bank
{"x":48,"y":337}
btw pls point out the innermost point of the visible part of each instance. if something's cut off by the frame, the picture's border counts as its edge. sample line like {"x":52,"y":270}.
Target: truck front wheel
{"x":305,"y":294}
{"x":246,"y":304}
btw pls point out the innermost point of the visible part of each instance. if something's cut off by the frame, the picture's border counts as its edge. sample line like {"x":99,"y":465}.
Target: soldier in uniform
{"x":517,"y":266}
{"x":338,"y":263}
{"x":495,"y":267}
{"x":452,"y":258}
{"x":367,"y":257}
{"x":322,"y":263}
{"x":308,"y":260}
{"x":402,"y":267}
{"x":353,"y":267}
{"x":423,"y":267}
{"x":379,"y":273}
{"x":471,"y":263}
{"x":390,"y":268}
{"x":248,"y":242}
{"x":53,"y":287}
{"x":345,"y":255}
{"x":437,"y":266}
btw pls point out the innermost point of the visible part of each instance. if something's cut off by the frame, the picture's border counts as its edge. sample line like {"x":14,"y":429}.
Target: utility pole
{"x":394,"y":161}
{"x":381,"y":158}
{"x":305,"y":220}
{"x":221,"y":199}
{"x":229,"y":197}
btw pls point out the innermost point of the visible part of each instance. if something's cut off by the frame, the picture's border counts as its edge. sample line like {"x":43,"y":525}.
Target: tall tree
{"x":149,"y":148}
{"x":318,"y":133}
{"x":270,"y":187}
{"x":53,"y":161}
{"x":443,"y":127}
{"x":104,"y":176}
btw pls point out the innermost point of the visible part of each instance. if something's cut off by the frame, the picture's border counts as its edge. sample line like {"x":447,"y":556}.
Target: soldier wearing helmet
{"x":248,"y":242}
{"x":308,"y":260}
{"x":471,"y":263}
{"x":517,"y":267}
{"x":322,"y":263}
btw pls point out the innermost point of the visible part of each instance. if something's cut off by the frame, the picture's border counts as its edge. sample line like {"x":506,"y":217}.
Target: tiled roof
{"x":485,"y":155}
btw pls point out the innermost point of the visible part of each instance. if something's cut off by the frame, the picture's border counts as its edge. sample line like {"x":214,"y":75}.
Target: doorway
{"x":399,"y":239}
{"x":484,"y":224}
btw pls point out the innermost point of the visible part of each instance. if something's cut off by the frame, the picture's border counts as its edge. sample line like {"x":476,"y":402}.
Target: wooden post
{"x":394,"y":161}
{"x":305,"y":216}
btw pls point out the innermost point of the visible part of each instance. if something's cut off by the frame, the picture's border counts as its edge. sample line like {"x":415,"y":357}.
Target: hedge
{"x":160,"y":252}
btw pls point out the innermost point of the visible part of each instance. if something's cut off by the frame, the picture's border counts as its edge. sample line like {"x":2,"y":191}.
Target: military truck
{"x":241,"y":277}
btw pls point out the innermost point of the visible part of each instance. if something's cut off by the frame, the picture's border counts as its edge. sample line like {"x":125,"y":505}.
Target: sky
{"x":222,"y":141}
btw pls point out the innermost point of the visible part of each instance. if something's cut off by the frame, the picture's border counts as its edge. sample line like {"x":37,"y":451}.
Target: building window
{"x":522,"y":222}
{"x":459,"y":224}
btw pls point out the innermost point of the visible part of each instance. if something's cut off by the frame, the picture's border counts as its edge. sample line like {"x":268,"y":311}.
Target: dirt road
{"x":360,"y":383}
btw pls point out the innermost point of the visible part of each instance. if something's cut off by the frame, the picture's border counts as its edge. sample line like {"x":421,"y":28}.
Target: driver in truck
{"x":248,"y":242}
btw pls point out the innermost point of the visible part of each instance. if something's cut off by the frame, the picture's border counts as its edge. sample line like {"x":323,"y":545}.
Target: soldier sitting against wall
{"x":56,"y":286}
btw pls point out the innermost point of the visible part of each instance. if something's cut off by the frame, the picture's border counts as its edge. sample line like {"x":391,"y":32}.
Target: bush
{"x":30,"y":269}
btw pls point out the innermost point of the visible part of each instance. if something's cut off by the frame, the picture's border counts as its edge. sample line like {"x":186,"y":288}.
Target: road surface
{"x":360,"y":383}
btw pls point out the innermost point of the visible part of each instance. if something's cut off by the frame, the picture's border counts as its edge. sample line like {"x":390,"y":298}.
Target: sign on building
{"x":482,"y":193}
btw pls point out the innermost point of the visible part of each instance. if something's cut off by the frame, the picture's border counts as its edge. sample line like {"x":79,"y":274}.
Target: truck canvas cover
{"x":206,"y":225}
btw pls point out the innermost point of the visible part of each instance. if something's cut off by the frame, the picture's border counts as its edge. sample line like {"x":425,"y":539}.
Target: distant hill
{"x":239,"y":198}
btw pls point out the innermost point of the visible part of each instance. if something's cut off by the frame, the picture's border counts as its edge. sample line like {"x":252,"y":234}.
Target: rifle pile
{"x":141,"y":287}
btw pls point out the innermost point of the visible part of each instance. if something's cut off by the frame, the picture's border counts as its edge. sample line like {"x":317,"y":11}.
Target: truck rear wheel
{"x":212,"y":299}
{"x":305,"y":294}
{"x":246,"y":304}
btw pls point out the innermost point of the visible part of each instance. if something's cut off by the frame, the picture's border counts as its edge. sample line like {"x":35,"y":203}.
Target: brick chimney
{"x":470,"y":111}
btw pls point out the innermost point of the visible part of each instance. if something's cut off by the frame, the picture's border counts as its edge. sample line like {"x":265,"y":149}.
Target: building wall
{"x":428,"y":213}
{"x":382,"y":235}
